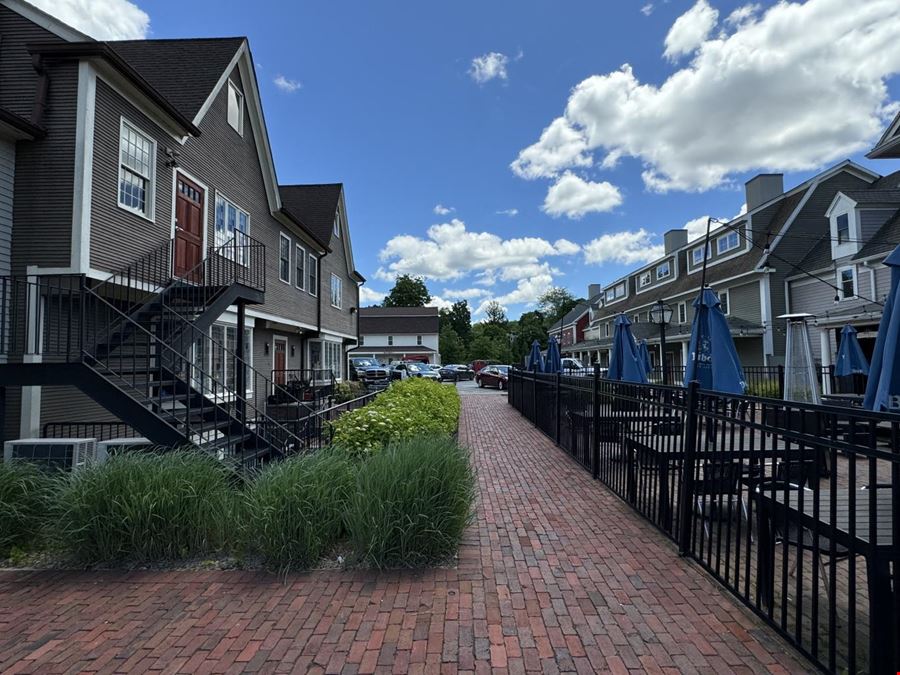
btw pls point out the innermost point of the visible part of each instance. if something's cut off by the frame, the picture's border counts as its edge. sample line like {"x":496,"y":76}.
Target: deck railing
{"x":794,"y":508}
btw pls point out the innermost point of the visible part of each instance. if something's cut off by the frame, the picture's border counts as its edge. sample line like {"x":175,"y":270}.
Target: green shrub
{"x":147,"y":506}
{"x":295,"y":508}
{"x":347,"y":391}
{"x":412,"y":503}
{"x":25,"y":496}
{"x":764,"y":389}
{"x":414,"y":407}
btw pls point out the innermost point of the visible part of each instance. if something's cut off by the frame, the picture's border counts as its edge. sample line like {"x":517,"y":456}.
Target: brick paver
{"x":556,"y":575}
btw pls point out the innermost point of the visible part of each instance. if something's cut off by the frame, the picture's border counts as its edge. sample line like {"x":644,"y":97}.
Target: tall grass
{"x":147,"y":507}
{"x":25,"y":497}
{"x":295,"y":508}
{"x":412,"y":503}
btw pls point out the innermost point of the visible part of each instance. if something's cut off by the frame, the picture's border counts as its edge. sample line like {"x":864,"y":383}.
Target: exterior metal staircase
{"x":140,"y":344}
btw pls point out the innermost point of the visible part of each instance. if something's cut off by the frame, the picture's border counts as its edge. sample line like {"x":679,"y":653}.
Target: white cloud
{"x":566,"y":247}
{"x":287,"y":85}
{"x":439,"y":302}
{"x":369,"y":296}
{"x":490,"y":66}
{"x":690,"y":30}
{"x":647,"y":9}
{"x":573,"y":196}
{"x":560,"y":146}
{"x":450,"y":251}
{"x":526,"y":292}
{"x":742,"y":14}
{"x":696,"y":228}
{"x":442,"y":210}
{"x":101,"y":19}
{"x":759,"y":94}
{"x":626,"y":248}
{"x":508,"y":212}
{"x":464,"y":293}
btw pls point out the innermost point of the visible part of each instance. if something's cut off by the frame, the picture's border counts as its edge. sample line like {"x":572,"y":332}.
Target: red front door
{"x":280,"y":363}
{"x":188,"y":228}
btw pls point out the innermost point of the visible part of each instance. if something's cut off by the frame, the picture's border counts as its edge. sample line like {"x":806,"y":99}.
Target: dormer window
{"x":610,"y":295}
{"x":663,"y":270}
{"x":337,"y":226}
{"x":235,"y":108}
{"x":842,"y":223}
{"x":728,"y":242}
{"x":620,"y":290}
{"x":645,"y":279}
{"x":697,"y":254}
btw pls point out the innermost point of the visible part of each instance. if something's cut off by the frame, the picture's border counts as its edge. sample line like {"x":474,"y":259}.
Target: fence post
{"x":558,"y":378}
{"x":686,"y":491}
{"x":595,"y":423}
{"x":780,"y":381}
{"x":534,"y":408}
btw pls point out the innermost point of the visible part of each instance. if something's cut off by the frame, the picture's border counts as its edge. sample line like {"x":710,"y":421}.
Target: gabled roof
{"x":884,"y":240}
{"x":874,"y":197}
{"x":198,"y":63}
{"x":889,"y":143}
{"x":314,"y":205}
{"x":398,"y":320}
{"x":18,"y":126}
{"x":574,"y":314}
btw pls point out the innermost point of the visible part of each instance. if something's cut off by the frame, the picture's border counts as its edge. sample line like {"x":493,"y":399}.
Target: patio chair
{"x":718,"y":487}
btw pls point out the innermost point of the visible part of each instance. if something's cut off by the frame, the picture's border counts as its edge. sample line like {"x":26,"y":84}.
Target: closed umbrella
{"x":883,"y":387}
{"x":645,"y":357}
{"x":625,"y":363}
{"x":850,"y":358}
{"x":712,"y":357}
{"x":535,"y":358}
{"x":553,"y":363}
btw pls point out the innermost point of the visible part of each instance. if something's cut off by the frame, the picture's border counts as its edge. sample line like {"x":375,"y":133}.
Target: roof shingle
{"x":314,"y":205}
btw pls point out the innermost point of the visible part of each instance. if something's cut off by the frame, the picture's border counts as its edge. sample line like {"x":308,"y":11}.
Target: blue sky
{"x":388,"y":101}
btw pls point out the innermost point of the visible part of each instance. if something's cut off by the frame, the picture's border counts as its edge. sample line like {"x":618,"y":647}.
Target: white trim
{"x":176,"y":170}
{"x":284,"y":237}
{"x":724,"y":237}
{"x":682,"y":306}
{"x":340,"y":281}
{"x":727,"y":295}
{"x":124,"y":88}
{"x":667,"y":274}
{"x":241,"y":107}
{"x":300,"y":254}
{"x":840,"y":284}
{"x":46,"y":21}
{"x":85,"y":116}
{"x":150,"y":201}
{"x":274,"y":318}
{"x":223,"y":78}
{"x":645,"y":276}
{"x":348,"y":336}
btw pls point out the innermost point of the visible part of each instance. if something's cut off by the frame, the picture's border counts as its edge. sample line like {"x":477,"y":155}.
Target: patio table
{"x":849,"y":524}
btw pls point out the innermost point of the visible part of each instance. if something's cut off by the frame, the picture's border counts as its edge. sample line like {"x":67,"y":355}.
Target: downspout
{"x":43,"y":86}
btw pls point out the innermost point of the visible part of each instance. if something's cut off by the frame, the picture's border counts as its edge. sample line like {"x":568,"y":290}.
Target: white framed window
{"x":313,"y":273}
{"x":682,"y":312}
{"x":419,"y":340}
{"x":846,"y":281}
{"x":663,"y":270}
{"x":337,"y":225}
{"x":728,"y":242}
{"x":235,"y":108}
{"x":610,"y":295}
{"x":723,"y":301}
{"x":606,"y":326}
{"x":284,"y":258}
{"x":232,"y":224}
{"x":636,"y":318}
{"x":697,"y":254}
{"x":137,"y":170}
{"x":842,"y":224}
{"x":300,"y":262}
{"x":220,"y":365}
{"x":337,"y":291}
{"x":390,"y":340}
{"x":645,"y":279}
{"x":620,"y":290}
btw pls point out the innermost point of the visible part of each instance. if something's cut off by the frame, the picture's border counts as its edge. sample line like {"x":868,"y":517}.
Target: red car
{"x":493,"y":376}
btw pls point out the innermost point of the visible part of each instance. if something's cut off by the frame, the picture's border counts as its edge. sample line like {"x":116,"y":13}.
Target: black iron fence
{"x":794,"y":508}
{"x":102,"y":431}
{"x":313,"y":385}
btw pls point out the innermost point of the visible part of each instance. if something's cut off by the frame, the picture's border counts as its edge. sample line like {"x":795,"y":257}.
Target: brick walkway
{"x":556,"y":575}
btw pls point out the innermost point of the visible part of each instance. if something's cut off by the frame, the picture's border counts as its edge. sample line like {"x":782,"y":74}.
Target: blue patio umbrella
{"x":883,"y":387}
{"x":712,"y":357}
{"x":553,"y":362}
{"x":850,"y":358}
{"x":625,"y":362}
{"x":645,"y":356}
{"x":535,"y":358}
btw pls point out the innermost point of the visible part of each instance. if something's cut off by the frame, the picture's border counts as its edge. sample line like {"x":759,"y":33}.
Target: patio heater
{"x":661,"y":315}
{"x":801,"y":382}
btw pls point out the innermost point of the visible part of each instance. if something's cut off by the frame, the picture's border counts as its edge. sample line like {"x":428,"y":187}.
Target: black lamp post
{"x":661,"y":315}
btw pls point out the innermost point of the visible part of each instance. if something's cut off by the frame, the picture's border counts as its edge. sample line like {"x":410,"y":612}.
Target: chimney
{"x":594,"y":289}
{"x":675,"y":239}
{"x":762,"y":188}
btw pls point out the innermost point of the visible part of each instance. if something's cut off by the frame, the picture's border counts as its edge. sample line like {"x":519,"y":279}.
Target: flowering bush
{"x":414,"y":407}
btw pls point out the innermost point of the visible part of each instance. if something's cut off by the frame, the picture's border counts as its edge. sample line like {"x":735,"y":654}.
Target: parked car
{"x":493,"y":376}
{"x":403,"y":370}
{"x":456,"y":372}
{"x":478,"y":364}
{"x":572,"y":366}
{"x":368,"y":371}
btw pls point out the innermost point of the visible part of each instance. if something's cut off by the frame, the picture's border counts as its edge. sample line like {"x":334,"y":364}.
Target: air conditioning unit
{"x":113,"y":445}
{"x":53,"y":453}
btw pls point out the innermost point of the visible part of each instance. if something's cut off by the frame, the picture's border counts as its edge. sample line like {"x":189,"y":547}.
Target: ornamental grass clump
{"x":414,"y":407}
{"x":295,"y":508}
{"x":147,"y":507}
{"x":412,"y":503}
{"x":25,"y":497}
